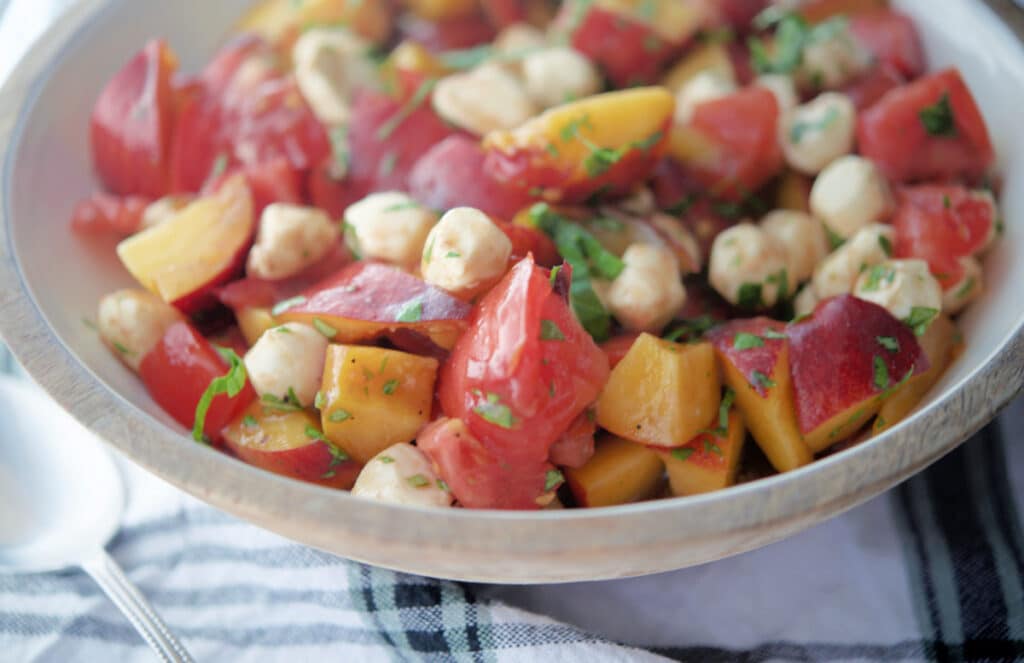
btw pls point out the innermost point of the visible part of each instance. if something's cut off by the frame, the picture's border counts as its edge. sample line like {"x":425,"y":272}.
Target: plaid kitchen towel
{"x":932,"y":571}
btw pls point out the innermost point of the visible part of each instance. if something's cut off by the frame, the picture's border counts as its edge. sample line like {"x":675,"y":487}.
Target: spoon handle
{"x":109,"y":576}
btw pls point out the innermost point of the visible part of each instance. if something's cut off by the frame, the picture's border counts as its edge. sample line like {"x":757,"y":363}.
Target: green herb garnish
{"x":231,"y":383}
{"x":745,"y":341}
{"x":324,"y":328}
{"x":938,"y":118}
{"x":411,"y":312}
{"x":549,"y":331}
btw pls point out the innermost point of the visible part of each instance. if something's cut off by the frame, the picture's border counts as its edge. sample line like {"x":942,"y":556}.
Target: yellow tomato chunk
{"x":619,"y":472}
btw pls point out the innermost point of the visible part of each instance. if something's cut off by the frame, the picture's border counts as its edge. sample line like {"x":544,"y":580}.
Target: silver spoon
{"x":61,"y":499}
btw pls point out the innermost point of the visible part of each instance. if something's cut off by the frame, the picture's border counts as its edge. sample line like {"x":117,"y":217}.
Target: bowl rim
{"x":374,"y":532}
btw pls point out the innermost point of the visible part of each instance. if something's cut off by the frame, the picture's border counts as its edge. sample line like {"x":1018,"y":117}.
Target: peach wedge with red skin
{"x":201,"y":247}
{"x":367,"y":300}
{"x":847,"y":358}
{"x":608,"y":142}
{"x":661,"y":393}
{"x":291,"y":444}
{"x":619,"y":472}
{"x":754,"y":356}
{"x":707,"y":463}
{"x":940,"y":343}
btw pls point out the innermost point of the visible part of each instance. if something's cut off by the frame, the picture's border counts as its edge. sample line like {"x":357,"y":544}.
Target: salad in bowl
{"x":518,"y":254}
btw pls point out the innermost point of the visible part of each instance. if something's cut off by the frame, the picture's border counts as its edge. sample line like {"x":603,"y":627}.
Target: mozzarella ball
{"x":648,"y":292}
{"x":402,"y":474}
{"x":287,"y":358}
{"x":388,"y":226}
{"x":850,"y":194}
{"x":559,"y":74}
{"x":165,"y":209}
{"x":837,"y":273}
{"x":465,"y":253}
{"x":967,"y":288}
{"x":899,"y":286}
{"x":132,"y":322}
{"x":290,"y":239}
{"x":485,"y":99}
{"x":831,"y":58}
{"x":804,"y":238}
{"x":748,"y":266}
{"x":783,"y":88}
{"x":703,"y":87}
{"x":519,"y":39}
{"x":330,"y":64}
{"x":818,"y":132}
{"x":805,"y":301}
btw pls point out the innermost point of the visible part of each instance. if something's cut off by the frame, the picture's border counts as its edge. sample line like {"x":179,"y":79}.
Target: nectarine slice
{"x":754,"y":356}
{"x":940,"y":343}
{"x":708,"y":462}
{"x":661,"y":393}
{"x":373,"y":398}
{"x":847,"y":358}
{"x":289,"y":443}
{"x":199,"y":248}
{"x":619,"y":472}
{"x":367,"y":300}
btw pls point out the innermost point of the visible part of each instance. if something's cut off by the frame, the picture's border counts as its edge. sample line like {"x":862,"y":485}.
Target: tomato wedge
{"x":177,"y":372}
{"x":730,"y":144}
{"x":929,"y":129}
{"x":941,"y":224}
{"x":892,"y":38}
{"x":524,"y":370}
{"x":131,"y":124}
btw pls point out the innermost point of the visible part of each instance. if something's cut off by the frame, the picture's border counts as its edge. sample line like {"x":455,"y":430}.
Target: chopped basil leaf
{"x":889,"y":343}
{"x":763,"y":380}
{"x":723,"y":410}
{"x":682,"y":454}
{"x":272,"y":402}
{"x":388,"y":163}
{"x":691,"y":330}
{"x":588,"y":258}
{"x":880,"y":423}
{"x":749,"y":296}
{"x":453,"y":254}
{"x":390,"y":386}
{"x":387,"y":460}
{"x":339,"y":415}
{"x":552,"y":479}
{"x":549,"y":331}
{"x":835,"y":240}
{"x":554,"y":274}
{"x":443,"y":486}
{"x":411,"y":312}
{"x":385,"y":130}
{"x":946,"y":203}
{"x":773,"y":335}
{"x":319,"y":400}
{"x":886,"y":245}
{"x":495,"y":412}
{"x":315,"y":433}
{"x":401,"y":207}
{"x":711,"y":447}
{"x":920,"y":318}
{"x":287,"y":304}
{"x":966,"y":288}
{"x":797,"y":131}
{"x":881,"y":374}
{"x":745,"y":341}
{"x":324,"y":328}
{"x":231,"y":383}
{"x":340,"y":155}
{"x":418,"y":481}
{"x":120,"y":347}
{"x":250,"y":421}
{"x":878,"y":276}
{"x":220,"y":164}
{"x":601,"y":159}
{"x":938,"y":118}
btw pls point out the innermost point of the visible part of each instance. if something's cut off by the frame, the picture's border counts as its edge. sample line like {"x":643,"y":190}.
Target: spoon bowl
{"x":61,"y":496}
{"x":61,"y":500}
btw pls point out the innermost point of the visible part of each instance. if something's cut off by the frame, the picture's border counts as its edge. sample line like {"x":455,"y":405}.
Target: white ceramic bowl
{"x":50,"y":280}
